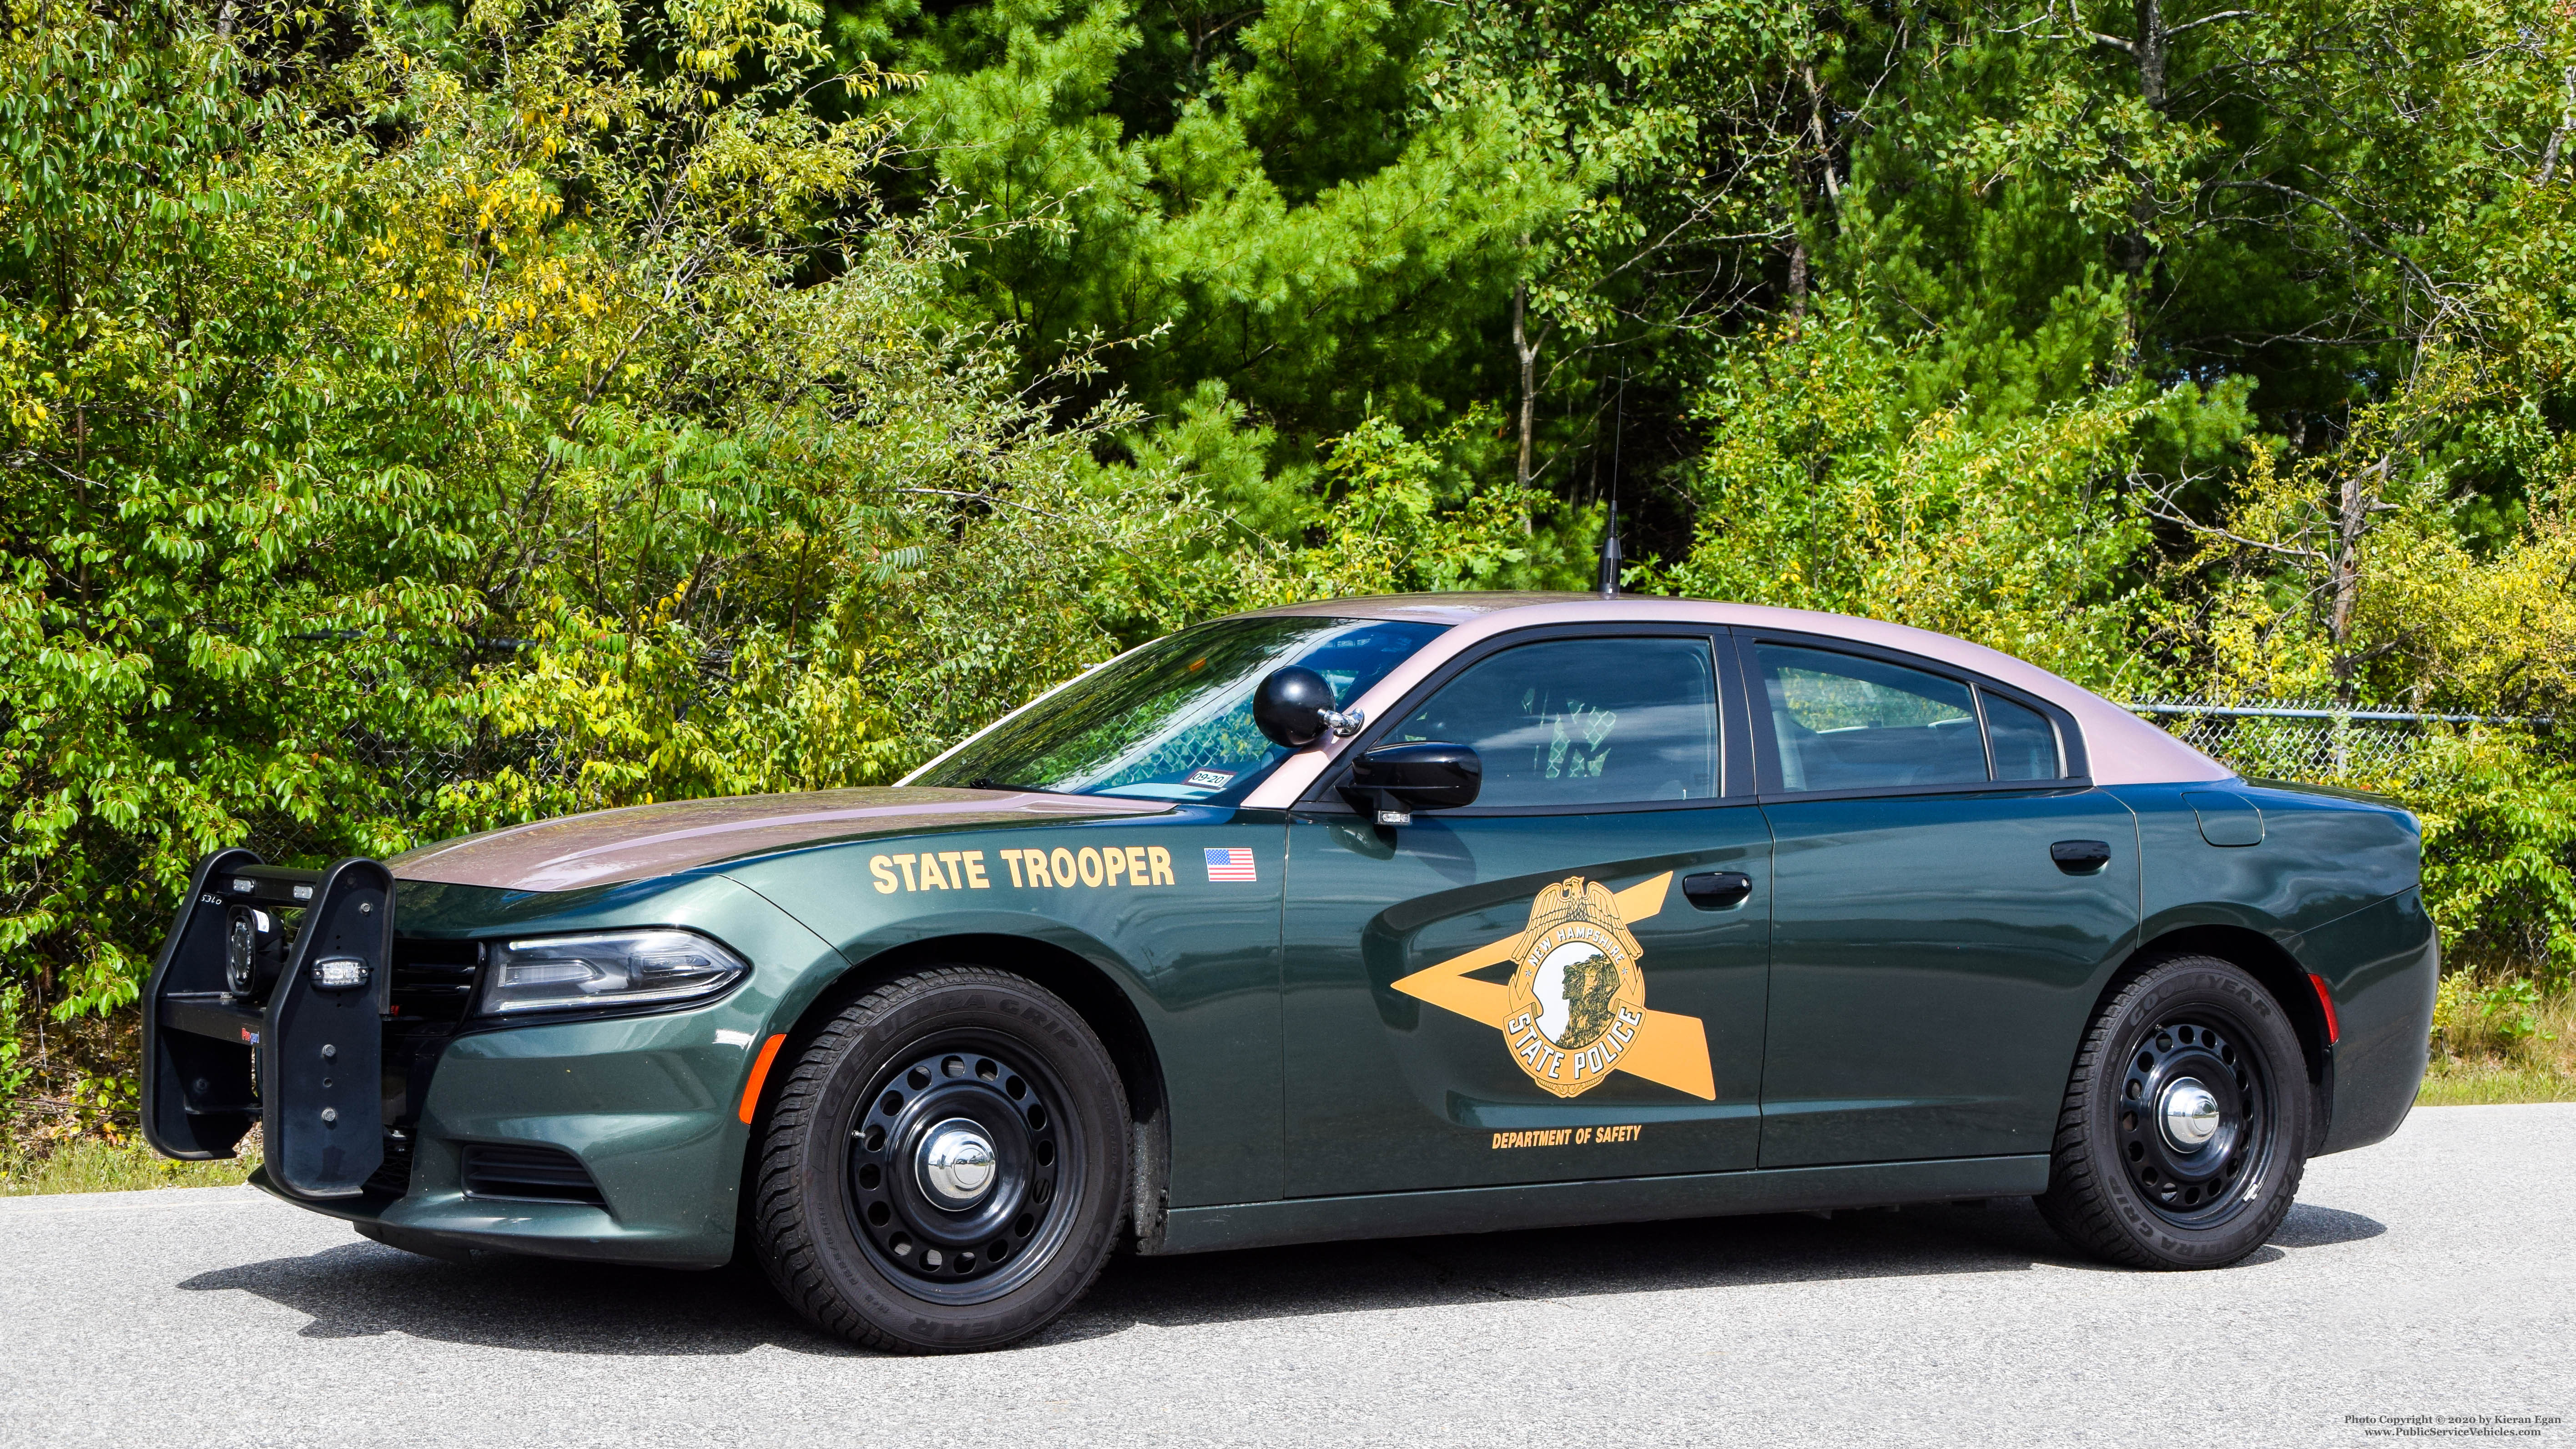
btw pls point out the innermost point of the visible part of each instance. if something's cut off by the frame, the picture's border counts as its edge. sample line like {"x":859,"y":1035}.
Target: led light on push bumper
{"x":610,"y":968}
{"x":339,"y":973}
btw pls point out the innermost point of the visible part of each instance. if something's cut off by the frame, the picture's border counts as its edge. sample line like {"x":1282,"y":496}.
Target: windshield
{"x":1173,"y":721}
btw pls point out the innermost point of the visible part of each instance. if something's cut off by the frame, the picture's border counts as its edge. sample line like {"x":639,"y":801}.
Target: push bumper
{"x":612,"y":1138}
{"x":240,"y":1025}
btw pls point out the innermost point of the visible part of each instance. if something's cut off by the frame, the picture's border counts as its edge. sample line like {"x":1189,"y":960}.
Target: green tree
{"x":1298,"y":232}
{"x":541,"y":396}
{"x":1825,"y":487}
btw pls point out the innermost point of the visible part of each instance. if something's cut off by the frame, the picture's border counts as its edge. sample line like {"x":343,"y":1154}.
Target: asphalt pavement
{"x":2421,"y":1284}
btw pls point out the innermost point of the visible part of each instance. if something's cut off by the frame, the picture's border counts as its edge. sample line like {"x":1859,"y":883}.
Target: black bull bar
{"x":240,"y":1026}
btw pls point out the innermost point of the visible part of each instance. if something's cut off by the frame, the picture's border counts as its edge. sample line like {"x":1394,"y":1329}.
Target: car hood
{"x":606,"y":847}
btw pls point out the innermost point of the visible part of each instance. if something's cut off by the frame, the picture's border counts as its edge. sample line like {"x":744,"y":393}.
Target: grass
{"x":2487,"y":1083}
{"x":2500,"y":1041}
{"x":90,"y":1165}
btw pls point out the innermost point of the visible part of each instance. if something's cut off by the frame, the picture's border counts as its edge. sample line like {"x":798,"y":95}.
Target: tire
{"x":2127,"y":1183}
{"x":867,"y":1208}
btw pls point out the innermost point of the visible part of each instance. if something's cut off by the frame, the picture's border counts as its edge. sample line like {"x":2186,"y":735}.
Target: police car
{"x":1388,"y":916}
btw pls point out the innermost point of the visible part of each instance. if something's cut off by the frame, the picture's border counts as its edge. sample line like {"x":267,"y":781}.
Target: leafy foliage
{"x":1823,"y":489}
{"x":1310,"y":234}
{"x":420,"y":417}
{"x":479,"y":391}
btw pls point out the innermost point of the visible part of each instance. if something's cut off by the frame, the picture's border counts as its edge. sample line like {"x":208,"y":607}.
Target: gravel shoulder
{"x":2430,"y":1275}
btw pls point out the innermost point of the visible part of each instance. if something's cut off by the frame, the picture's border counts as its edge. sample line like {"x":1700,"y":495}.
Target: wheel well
{"x":1092,"y":995}
{"x":2260,"y":957}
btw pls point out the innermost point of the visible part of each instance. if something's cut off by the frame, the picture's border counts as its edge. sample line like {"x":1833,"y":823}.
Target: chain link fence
{"x":407,"y":776}
{"x":2319,"y":742}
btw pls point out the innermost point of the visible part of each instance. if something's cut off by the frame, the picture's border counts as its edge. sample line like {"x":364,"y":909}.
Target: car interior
{"x":1584,"y":722}
{"x":1844,"y":722}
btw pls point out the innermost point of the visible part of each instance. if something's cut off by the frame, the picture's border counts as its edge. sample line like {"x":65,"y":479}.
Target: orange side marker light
{"x":759,"y":1074}
{"x":2325,"y":999}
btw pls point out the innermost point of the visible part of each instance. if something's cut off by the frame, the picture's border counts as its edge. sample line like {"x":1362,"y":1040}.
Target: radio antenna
{"x":1610,"y":530}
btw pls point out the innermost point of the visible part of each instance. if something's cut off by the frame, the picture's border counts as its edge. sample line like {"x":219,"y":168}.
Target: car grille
{"x":434,"y":980}
{"x":393,"y":1179}
{"x":433,"y":986}
{"x":528,"y":1174}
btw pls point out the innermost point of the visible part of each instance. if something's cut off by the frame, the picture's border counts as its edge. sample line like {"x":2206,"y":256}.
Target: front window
{"x":1173,"y":720}
{"x":1583,"y":722}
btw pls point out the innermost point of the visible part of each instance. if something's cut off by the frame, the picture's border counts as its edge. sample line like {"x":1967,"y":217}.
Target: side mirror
{"x":1294,"y":706}
{"x":1425,"y":775}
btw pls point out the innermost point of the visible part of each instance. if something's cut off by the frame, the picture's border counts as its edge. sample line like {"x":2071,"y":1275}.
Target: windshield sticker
{"x":1212,"y":779}
{"x":1230,"y":864}
{"x":1574,"y":1010}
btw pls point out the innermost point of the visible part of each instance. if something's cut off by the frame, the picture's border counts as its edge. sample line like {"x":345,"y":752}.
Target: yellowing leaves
{"x":1823,"y":489}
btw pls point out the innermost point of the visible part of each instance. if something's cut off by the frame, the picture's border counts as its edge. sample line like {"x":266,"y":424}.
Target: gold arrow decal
{"x":1576,"y":927}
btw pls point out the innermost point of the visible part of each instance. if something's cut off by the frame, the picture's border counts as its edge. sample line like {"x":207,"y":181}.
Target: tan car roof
{"x":610,"y":846}
{"x":2122,"y":749}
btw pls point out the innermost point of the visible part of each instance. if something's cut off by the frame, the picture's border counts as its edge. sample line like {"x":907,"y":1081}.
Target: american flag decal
{"x":1232,"y":864}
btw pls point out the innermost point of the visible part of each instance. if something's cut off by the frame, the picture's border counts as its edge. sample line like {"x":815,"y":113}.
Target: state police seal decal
{"x":1577,"y":997}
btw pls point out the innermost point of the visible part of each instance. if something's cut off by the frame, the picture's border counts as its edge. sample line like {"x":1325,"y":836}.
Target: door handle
{"x":1718,"y":890}
{"x":2081,"y":857}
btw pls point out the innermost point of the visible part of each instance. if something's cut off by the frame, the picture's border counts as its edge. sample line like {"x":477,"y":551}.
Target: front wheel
{"x":2185,"y":1125}
{"x":943,"y":1169}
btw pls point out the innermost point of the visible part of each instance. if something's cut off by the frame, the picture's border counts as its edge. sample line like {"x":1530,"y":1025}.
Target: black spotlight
{"x":254,"y":950}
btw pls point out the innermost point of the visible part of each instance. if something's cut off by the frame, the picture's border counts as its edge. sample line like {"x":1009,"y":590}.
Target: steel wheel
{"x":960,"y":1161}
{"x":2196,"y":1119}
{"x":945,"y":1167}
{"x":2186,"y":1121}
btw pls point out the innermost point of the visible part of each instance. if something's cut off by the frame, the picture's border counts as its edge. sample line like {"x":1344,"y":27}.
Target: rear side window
{"x":1583,"y":722}
{"x":2024,"y":744}
{"x":1847,"y":723}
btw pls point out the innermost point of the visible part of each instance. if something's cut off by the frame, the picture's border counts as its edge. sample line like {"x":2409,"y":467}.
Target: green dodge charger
{"x":1372,"y":917}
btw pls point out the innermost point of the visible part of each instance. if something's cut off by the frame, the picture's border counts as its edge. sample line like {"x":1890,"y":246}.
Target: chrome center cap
{"x":2190,"y":1114}
{"x":956,"y":1164}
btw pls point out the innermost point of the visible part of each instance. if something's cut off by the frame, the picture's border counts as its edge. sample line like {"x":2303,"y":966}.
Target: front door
{"x":1933,"y":962}
{"x":1527,"y":990}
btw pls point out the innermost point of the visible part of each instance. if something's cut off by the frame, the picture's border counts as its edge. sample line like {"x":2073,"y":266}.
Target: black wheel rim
{"x":2198,"y":1183}
{"x":972,"y":1252}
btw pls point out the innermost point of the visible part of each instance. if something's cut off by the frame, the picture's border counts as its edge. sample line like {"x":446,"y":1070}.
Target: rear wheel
{"x":2185,"y":1126}
{"x":943,"y":1168}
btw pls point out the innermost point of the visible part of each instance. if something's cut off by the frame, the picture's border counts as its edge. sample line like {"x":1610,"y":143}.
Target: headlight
{"x":610,"y":968}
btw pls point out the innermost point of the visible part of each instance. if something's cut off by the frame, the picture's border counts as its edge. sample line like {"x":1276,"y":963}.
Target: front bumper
{"x":634,"y":1121}
{"x":647,"y":1106}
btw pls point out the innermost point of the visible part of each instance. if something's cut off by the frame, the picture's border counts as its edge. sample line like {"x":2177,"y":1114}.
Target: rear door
{"x":1932,"y":960}
{"x":1524,"y":990}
